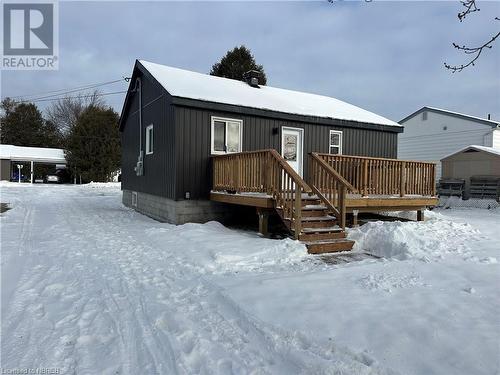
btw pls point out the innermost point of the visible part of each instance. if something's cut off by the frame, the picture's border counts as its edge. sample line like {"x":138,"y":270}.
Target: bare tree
{"x":65,"y":111}
{"x":475,"y":52}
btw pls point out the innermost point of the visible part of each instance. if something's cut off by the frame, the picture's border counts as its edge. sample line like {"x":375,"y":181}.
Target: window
{"x":335,"y":142}
{"x":149,"y":139}
{"x":424,"y":115}
{"x":134,"y":199}
{"x":226,"y":135}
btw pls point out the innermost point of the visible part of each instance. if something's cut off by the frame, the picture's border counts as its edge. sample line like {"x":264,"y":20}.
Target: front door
{"x":292,"y":147}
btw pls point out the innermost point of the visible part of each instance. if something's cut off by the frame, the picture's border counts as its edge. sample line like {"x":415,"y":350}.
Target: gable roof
{"x":492,"y":123}
{"x":489,"y":150}
{"x":203,"y":87}
{"x":37,"y":154}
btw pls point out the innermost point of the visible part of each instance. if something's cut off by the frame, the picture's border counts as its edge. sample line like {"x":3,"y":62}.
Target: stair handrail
{"x":333,"y":172}
{"x":330,"y":186}
{"x":295,"y":176}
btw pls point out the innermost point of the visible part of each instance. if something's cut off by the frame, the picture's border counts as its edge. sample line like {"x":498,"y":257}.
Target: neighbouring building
{"x":11,"y":156}
{"x":431,"y":134}
{"x":173,"y":121}
{"x":479,"y":169}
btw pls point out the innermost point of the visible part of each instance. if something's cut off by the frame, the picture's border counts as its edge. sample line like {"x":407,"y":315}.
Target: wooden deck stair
{"x":319,"y":228}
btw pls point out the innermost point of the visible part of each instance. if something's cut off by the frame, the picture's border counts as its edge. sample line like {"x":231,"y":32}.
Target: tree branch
{"x":470,"y":7}
{"x":476,"y":51}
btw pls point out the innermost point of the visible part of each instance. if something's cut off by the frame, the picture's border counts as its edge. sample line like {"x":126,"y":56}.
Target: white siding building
{"x":431,"y":133}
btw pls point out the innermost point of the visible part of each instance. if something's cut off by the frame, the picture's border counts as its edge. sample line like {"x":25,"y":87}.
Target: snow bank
{"x":229,"y":251}
{"x":103,"y":185}
{"x":431,"y":239}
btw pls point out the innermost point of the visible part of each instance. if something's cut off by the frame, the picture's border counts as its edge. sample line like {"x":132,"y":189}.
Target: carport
{"x":10,"y":154}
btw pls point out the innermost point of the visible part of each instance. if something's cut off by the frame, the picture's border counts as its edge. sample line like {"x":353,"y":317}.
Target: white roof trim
{"x":490,"y":150}
{"x":35,"y":154}
{"x":198,"y":86}
{"x":463,"y":114}
{"x":451,"y":113}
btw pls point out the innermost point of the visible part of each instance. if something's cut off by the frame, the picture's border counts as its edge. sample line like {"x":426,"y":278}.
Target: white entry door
{"x":292,"y":148}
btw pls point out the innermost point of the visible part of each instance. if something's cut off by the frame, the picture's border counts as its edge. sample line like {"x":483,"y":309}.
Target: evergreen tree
{"x":235,"y":63}
{"x":93,"y":145}
{"x":22,"y":124}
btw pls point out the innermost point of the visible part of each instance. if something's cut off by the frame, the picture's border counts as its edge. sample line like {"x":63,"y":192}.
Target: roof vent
{"x":252,"y":77}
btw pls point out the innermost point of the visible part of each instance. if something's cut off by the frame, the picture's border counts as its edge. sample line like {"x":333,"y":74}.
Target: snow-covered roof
{"x":452,"y":113}
{"x":36,"y":154}
{"x":187,"y":84}
{"x":490,"y":150}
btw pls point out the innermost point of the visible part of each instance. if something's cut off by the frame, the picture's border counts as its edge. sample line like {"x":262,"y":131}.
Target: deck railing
{"x":378,"y":176}
{"x":263,"y":171}
{"x":330,"y":187}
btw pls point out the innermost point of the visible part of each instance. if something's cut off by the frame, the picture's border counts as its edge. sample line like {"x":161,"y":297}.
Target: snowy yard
{"x":91,"y":287}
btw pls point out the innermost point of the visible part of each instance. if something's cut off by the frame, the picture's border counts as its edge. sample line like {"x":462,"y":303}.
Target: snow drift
{"x":431,"y":239}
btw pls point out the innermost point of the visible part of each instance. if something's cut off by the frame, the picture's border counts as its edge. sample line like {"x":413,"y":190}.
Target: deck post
{"x":402,"y":180}
{"x":355,"y":218}
{"x":298,"y":211}
{"x":236,"y":174}
{"x":263,"y":221}
{"x":420,"y":215}
{"x":365,"y":178}
{"x":342,"y":206}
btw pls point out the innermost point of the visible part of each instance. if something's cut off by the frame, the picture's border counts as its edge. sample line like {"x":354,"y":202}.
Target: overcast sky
{"x":386,"y":57}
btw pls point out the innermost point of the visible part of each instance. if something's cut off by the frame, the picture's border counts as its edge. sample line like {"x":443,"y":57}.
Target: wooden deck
{"x":314,"y":209}
{"x":353,"y":201}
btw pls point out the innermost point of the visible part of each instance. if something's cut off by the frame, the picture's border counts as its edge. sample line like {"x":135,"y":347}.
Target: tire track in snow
{"x":148,"y":307}
{"x":202,"y":303}
{"x":133,"y":324}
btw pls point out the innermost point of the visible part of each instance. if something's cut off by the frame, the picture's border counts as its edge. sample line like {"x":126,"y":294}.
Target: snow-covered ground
{"x":91,"y":287}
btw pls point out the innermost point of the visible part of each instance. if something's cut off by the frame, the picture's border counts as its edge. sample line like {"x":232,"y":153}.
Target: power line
{"x":70,"y":90}
{"x":74,"y":97}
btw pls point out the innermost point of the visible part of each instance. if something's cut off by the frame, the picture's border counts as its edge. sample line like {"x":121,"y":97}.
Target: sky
{"x":383,"y":56}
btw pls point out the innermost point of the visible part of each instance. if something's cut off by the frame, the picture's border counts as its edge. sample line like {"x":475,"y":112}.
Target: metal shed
{"x":475,"y":165}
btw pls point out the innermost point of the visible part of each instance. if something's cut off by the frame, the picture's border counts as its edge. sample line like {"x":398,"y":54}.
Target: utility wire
{"x":73,"y":97}
{"x":70,"y":90}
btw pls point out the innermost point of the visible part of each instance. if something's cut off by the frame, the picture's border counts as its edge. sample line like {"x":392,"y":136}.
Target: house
{"x":11,"y":156}
{"x":477,"y":168}
{"x":431,"y":134}
{"x":194,"y":145}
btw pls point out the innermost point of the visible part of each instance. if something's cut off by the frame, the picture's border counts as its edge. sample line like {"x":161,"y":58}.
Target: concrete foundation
{"x":180,"y":212}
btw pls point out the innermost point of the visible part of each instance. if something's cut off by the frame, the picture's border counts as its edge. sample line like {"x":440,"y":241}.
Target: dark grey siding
{"x":193,"y":127}
{"x":5,"y":169}
{"x":159,"y":167}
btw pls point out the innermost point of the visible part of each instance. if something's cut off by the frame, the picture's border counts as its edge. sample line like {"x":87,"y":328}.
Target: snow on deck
{"x":89,"y":286}
{"x":193,"y":85}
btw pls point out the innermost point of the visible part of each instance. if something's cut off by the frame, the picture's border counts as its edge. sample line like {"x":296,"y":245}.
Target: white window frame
{"x":226,"y":120}
{"x":339,"y":146}
{"x":149,"y":147}
{"x":134,"y":199}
